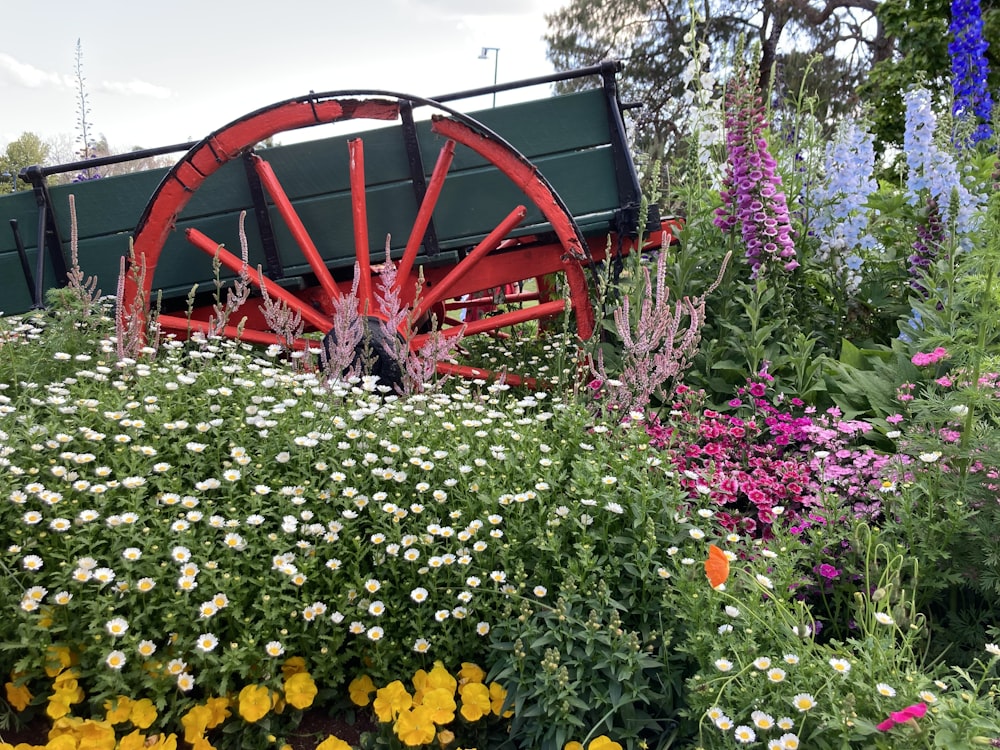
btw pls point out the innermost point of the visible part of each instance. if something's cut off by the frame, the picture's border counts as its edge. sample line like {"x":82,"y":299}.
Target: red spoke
{"x":359,"y":209}
{"x":230,"y":261}
{"x":489,"y":243}
{"x":521,"y":173}
{"x":264,"y":338}
{"x":492,"y":323}
{"x":425,"y":212}
{"x":295,"y":226}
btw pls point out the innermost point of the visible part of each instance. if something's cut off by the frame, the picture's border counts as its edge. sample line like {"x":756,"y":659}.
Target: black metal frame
{"x":265,"y":228}
{"x":416,"y":162}
{"x":49,"y":238}
{"x":22,"y":255}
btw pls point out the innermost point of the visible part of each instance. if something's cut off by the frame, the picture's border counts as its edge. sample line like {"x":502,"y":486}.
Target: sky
{"x":159,"y":73}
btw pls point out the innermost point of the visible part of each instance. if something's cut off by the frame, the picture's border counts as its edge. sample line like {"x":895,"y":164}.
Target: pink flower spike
{"x":886,"y":725}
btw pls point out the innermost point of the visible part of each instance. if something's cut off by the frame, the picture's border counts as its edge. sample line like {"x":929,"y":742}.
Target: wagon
{"x":507,"y":198}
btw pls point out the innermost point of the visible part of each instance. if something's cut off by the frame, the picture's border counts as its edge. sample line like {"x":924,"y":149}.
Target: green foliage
{"x":768,"y":673}
{"x":602,"y":659}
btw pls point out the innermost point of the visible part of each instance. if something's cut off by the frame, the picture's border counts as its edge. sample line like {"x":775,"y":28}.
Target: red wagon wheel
{"x":569,"y":249}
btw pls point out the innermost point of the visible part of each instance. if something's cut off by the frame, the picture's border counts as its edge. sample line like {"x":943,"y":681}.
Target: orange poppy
{"x":716,"y":566}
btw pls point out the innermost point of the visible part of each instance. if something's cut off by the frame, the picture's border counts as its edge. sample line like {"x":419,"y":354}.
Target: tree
{"x":917,"y":31}
{"x":648,"y":35}
{"x":23,"y":152}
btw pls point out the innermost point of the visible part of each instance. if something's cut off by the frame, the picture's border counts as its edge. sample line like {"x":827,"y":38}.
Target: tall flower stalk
{"x":842,"y":219}
{"x":932,"y":171}
{"x":656,"y":345}
{"x":926,"y":248}
{"x":969,"y":68}
{"x":751,"y":194}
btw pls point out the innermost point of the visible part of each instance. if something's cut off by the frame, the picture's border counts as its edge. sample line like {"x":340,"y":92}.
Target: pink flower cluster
{"x":762,"y":461}
{"x":910,"y":713}
{"x":922,"y":359}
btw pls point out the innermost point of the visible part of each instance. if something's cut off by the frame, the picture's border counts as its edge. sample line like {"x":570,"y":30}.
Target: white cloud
{"x":17,"y":73}
{"x":136,"y":88}
{"x":22,"y":74}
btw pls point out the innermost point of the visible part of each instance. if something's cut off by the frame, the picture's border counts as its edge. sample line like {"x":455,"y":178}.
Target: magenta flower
{"x":910,"y":713}
{"x":828,"y":571}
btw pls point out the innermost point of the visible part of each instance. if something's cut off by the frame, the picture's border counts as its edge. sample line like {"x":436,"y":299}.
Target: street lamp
{"x":484,"y":55}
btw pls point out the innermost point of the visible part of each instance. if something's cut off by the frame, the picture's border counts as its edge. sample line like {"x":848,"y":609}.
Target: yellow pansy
{"x":65,"y":725}
{"x":254,"y":702}
{"x":574,"y":745}
{"x":95,"y":735}
{"x":333,"y":743}
{"x":441,"y":703}
{"x":279,"y":703}
{"x":415,"y":727}
{"x":195,"y":722}
{"x":300,"y":690}
{"x":361,"y":689}
{"x":475,"y":700}
{"x":134,"y":741}
{"x":143,"y":713}
{"x":45,"y":619}
{"x":498,"y":695}
{"x":59,"y":705}
{"x":439,"y":677}
{"x":117,"y":711}
{"x":219,"y":710}
{"x":603,"y":743}
{"x":58,"y":658}
{"x":390,"y":700}
{"x":293,"y":665}
{"x":19,"y":696}
{"x":471,"y":673}
{"x":419,"y":686}
{"x":62,"y":742}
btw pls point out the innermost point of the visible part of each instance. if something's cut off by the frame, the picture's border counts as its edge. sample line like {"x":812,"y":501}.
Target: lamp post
{"x":484,"y":55}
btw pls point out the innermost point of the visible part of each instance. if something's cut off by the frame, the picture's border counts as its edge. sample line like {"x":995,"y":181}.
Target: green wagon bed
{"x":467,"y":202}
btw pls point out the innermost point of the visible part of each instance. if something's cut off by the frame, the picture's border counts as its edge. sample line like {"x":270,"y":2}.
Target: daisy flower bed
{"x":205,"y":546}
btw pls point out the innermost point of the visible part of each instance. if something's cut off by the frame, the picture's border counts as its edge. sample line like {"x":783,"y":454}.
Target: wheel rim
{"x":239,"y":137}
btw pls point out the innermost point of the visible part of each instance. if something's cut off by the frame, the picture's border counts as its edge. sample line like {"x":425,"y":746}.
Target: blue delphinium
{"x":932,"y":172}
{"x":969,"y":68}
{"x":841,"y":223}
